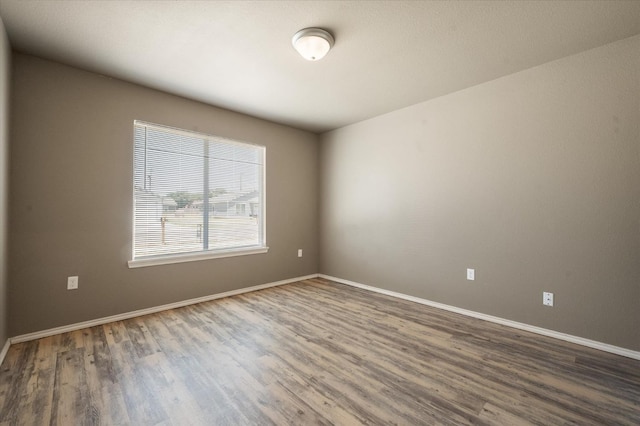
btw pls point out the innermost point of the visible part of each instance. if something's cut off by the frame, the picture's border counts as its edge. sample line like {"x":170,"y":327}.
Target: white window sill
{"x":192,"y":257}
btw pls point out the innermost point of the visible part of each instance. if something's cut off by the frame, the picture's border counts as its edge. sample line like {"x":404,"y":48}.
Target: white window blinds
{"x":195,"y":193}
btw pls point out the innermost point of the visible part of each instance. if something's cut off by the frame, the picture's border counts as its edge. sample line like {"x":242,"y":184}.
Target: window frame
{"x":165,"y":259}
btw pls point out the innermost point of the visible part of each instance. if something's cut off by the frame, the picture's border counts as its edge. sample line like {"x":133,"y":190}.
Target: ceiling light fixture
{"x":312,"y":43}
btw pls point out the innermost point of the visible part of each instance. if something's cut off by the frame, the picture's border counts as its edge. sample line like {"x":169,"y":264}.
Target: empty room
{"x":319,"y":212}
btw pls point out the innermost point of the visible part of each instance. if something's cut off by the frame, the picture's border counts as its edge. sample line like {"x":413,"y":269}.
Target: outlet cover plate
{"x":547,"y":298}
{"x":72,"y":283}
{"x":471,"y":274}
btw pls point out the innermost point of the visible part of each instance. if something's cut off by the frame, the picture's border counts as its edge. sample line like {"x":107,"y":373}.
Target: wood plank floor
{"x":313,"y":352}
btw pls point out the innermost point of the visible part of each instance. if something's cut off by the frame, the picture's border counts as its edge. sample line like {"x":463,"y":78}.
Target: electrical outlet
{"x":72,"y":283}
{"x":471,"y":274}
{"x":547,"y":299}
{"x":299,"y":252}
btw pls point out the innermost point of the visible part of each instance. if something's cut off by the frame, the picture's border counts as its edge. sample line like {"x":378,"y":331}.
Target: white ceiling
{"x":238,"y":54}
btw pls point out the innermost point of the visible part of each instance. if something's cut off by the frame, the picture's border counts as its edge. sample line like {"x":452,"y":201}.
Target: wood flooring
{"x":313,"y":352}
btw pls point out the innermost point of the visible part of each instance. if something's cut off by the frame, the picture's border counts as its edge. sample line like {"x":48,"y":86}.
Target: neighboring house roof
{"x":249,"y":196}
{"x":231,"y":198}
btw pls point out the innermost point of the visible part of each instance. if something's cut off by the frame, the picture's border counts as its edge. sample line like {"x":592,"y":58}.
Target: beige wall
{"x":5,"y":66}
{"x":533,"y":179}
{"x":71,"y":198}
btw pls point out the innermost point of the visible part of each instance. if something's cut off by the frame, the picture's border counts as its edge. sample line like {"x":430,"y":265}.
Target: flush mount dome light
{"x":312,"y":43}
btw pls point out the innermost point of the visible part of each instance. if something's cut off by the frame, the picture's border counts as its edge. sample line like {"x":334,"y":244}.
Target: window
{"x":195,"y":196}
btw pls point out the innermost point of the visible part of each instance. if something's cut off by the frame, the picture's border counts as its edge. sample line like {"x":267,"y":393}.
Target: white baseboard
{"x":517,"y":325}
{"x":127,"y":315}
{"x":5,"y":349}
{"x":520,"y":326}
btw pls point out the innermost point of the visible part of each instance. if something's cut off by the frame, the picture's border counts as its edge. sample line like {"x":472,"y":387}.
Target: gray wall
{"x":5,"y":67}
{"x":71,"y":198}
{"x":533,"y":179}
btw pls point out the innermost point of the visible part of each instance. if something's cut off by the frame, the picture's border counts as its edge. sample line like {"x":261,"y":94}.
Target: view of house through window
{"x":195,"y":193}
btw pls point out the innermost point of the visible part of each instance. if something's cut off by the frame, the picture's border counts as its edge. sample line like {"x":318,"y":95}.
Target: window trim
{"x":196,"y":256}
{"x":167,"y":259}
